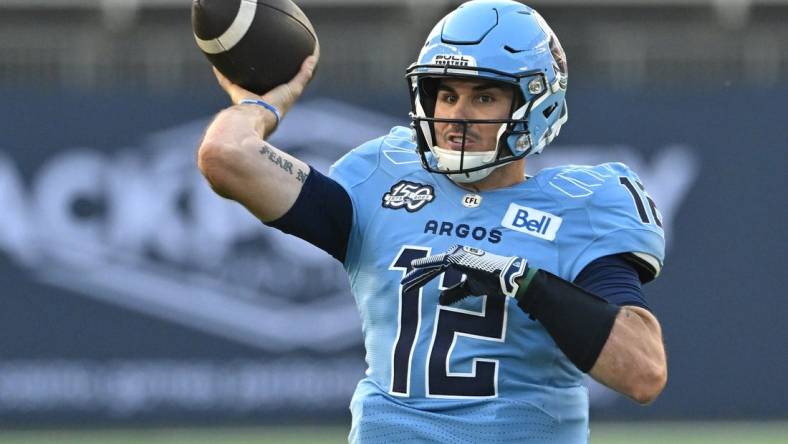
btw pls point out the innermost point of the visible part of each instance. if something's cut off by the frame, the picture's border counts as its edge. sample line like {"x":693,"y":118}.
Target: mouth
{"x":454,"y":141}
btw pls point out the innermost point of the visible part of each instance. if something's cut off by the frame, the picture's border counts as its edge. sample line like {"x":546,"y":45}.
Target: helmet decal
{"x":453,"y":60}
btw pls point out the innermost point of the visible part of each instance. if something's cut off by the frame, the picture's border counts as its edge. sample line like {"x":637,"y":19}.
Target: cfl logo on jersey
{"x":471,"y":200}
{"x":408,"y":195}
{"x":453,"y":60}
{"x":532,"y":222}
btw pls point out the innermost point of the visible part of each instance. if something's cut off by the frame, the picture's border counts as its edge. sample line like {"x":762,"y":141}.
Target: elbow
{"x":649,"y":385}
{"x":216,"y":162}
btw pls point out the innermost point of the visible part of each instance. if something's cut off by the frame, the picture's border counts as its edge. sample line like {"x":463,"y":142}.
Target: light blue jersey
{"x":481,"y":370}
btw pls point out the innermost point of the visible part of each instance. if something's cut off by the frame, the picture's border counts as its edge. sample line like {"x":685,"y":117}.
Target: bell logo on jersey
{"x":531,"y":221}
{"x":408,"y":195}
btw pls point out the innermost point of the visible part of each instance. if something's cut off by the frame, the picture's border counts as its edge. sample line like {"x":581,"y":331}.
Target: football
{"x":257,"y":44}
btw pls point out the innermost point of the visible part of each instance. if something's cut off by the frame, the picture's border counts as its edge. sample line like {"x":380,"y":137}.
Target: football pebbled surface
{"x":257,"y":44}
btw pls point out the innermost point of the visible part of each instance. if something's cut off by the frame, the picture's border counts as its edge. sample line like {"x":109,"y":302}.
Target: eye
{"x":447,"y":97}
{"x":486,"y":98}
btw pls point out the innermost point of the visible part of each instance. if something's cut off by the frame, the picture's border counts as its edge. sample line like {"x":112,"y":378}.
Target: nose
{"x":459,"y":110}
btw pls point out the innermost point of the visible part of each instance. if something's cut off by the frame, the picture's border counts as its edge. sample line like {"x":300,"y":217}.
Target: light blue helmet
{"x":496,"y":40}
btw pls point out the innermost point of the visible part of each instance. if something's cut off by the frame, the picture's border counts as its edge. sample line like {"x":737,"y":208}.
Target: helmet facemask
{"x":464,"y":165}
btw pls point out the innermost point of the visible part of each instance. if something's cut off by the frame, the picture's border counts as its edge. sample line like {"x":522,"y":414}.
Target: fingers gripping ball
{"x":257,"y":44}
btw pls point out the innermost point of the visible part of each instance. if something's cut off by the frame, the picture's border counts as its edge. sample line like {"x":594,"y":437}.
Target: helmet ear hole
{"x":519,"y":99}
{"x":428,"y":90}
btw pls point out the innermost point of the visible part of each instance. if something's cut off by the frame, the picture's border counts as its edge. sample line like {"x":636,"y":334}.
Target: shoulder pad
{"x":576,"y":182}
{"x":395,"y":153}
{"x":621,"y":215}
{"x":399,"y":148}
{"x":358,"y":164}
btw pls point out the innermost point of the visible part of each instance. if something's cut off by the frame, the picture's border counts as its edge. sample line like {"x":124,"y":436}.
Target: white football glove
{"x":486,"y":273}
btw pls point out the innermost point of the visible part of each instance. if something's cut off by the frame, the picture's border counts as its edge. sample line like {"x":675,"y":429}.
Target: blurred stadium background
{"x":138,"y":307}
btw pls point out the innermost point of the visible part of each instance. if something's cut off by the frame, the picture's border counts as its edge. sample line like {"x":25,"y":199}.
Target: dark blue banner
{"x":132,"y":293}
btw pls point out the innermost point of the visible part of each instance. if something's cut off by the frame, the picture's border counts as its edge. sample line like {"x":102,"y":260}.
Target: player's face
{"x":470,"y":99}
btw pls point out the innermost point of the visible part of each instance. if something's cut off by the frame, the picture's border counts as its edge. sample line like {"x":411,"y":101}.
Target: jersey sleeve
{"x":618,"y":217}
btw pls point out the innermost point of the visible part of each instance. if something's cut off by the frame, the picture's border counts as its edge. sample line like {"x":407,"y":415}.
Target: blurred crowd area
{"x":621,"y":44}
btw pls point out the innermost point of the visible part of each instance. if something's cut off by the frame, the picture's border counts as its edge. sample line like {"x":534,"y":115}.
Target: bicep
{"x":241,"y":166}
{"x":285,"y":193}
{"x":632,"y":360}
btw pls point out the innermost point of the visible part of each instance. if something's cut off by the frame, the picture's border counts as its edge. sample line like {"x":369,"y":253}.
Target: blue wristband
{"x":265,"y":105}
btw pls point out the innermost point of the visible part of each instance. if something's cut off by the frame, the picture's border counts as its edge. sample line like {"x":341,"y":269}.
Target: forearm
{"x":632,"y":360}
{"x":236,"y":160}
{"x":619,"y":346}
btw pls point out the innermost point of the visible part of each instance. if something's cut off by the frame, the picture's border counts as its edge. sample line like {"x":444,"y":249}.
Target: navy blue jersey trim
{"x":615,"y":279}
{"x":321,"y":215}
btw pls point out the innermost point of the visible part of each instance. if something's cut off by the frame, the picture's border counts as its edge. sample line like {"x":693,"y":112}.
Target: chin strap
{"x":449,"y":160}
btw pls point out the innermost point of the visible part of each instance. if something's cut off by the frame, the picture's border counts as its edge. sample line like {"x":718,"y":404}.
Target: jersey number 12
{"x":450,"y":322}
{"x":642,"y":199}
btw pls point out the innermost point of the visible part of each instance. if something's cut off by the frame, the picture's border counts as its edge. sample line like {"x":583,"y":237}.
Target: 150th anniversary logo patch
{"x":408,"y":195}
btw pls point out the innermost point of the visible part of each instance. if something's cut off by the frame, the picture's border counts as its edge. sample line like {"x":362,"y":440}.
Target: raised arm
{"x":237,"y":161}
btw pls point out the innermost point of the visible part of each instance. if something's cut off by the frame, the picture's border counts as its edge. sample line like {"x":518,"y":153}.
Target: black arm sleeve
{"x":321,"y":215}
{"x":580,"y":316}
